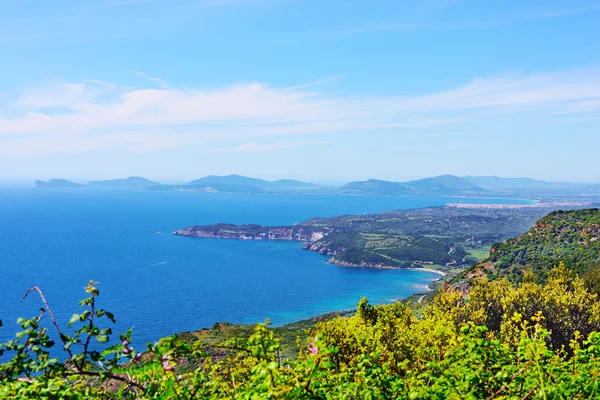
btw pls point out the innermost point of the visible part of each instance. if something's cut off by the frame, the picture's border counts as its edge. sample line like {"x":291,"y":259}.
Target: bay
{"x":163,"y":284}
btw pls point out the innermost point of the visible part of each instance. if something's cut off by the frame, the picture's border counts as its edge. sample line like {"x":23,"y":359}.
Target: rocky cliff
{"x":255,"y":232}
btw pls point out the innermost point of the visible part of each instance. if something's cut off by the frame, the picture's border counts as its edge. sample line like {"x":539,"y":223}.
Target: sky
{"x":325,"y":91}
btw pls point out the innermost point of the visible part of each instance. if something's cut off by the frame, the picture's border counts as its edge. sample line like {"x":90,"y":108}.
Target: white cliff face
{"x":280,"y":234}
{"x":317,"y":236}
{"x":254,"y":232}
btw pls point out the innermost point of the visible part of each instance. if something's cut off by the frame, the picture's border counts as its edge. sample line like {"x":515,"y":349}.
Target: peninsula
{"x":446,"y":238}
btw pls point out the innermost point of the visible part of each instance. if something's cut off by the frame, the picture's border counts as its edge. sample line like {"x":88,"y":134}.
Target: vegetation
{"x":446,"y":236}
{"x":450,"y":237}
{"x":571,"y":237}
{"x":537,"y":337}
{"x":503,"y":341}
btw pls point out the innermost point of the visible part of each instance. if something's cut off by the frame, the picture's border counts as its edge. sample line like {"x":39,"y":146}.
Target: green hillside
{"x":571,"y":237}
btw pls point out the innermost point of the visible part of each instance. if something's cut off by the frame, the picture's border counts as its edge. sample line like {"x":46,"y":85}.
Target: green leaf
{"x":95,"y":356}
{"x":106,"y":331}
{"x":21,"y":334}
{"x":102,"y":338}
{"x":74,"y":319}
{"x":111,"y":316}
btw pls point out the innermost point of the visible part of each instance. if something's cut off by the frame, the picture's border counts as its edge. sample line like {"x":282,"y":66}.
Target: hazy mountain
{"x":292,"y":184}
{"x":57,"y":183}
{"x":375,"y":186}
{"x":496,"y":182}
{"x":239,"y":183}
{"x":446,"y":184}
{"x":443,"y":184}
{"x":528,"y":185}
{"x":240,"y":180}
{"x":131,"y":182}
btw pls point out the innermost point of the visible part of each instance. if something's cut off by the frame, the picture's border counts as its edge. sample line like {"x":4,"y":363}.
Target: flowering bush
{"x":502,"y":342}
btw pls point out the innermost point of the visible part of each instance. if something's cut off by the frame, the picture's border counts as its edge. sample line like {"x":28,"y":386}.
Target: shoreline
{"x":388,"y":267}
{"x":435,"y":271}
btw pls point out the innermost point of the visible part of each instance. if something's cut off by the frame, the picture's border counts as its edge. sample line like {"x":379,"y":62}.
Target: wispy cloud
{"x":162,"y":83}
{"x":253,"y":147}
{"x":583,"y":106}
{"x":318,"y":82}
{"x":486,"y":22}
{"x":107,"y":116}
{"x":60,"y":94}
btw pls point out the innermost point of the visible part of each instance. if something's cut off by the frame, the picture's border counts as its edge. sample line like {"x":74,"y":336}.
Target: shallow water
{"x":162,"y":284}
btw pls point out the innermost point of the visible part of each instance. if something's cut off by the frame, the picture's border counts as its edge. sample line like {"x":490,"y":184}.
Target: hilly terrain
{"x":445,"y":238}
{"x":569,"y":237}
{"x":439,"y":185}
{"x":131,"y":182}
{"x":499,"y":183}
{"x":241,"y":184}
{"x":443,"y":185}
{"x":532,"y":187}
{"x":57,"y":183}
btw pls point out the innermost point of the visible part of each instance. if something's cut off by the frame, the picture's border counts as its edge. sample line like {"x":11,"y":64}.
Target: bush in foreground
{"x":499,"y":342}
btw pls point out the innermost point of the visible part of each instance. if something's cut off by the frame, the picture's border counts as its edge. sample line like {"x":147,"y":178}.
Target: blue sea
{"x":163,"y":284}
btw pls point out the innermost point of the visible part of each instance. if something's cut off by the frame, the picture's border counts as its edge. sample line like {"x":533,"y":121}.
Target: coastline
{"x":435,"y":271}
{"x":333,"y":261}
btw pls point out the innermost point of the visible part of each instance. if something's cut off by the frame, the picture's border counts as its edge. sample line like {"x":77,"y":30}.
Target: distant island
{"x":443,"y":185}
{"x":439,"y":185}
{"x":131,"y":182}
{"x":57,"y":183}
{"x":242,"y":184}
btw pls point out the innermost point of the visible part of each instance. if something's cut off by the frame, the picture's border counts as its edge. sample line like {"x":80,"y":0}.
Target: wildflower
{"x":125,"y":343}
{"x":312,"y":349}
{"x":167,"y":367}
{"x":126,"y":350}
{"x":179,"y":378}
{"x":138,"y":356}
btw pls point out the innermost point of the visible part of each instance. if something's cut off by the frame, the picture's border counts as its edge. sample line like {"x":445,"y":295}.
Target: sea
{"x":160,"y":284}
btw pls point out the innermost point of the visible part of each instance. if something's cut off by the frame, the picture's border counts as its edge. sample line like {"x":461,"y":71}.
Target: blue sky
{"x":326,"y":91}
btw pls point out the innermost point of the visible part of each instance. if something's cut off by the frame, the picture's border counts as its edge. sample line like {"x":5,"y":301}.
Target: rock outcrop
{"x":255,"y":232}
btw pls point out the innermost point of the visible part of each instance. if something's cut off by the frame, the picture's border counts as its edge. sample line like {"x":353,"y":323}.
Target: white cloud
{"x":582,"y":106}
{"x":162,"y":83}
{"x":106,"y":116}
{"x":258,"y":147}
{"x":58,"y":94}
{"x":487,"y":20}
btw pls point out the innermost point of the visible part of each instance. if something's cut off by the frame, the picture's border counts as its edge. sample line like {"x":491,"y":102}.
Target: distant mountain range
{"x":528,"y":185}
{"x":57,"y":183}
{"x":242,"y":184}
{"x":439,"y":185}
{"x":498,"y":183}
{"x":131,"y":182}
{"x":443,"y":185}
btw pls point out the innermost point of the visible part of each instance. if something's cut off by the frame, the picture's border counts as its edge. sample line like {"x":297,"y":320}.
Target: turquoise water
{"x":162,"y":284}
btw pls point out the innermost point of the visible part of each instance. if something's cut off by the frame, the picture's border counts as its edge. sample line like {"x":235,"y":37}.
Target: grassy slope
{"x":444,"y":236}
{"x":571,"y":237}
